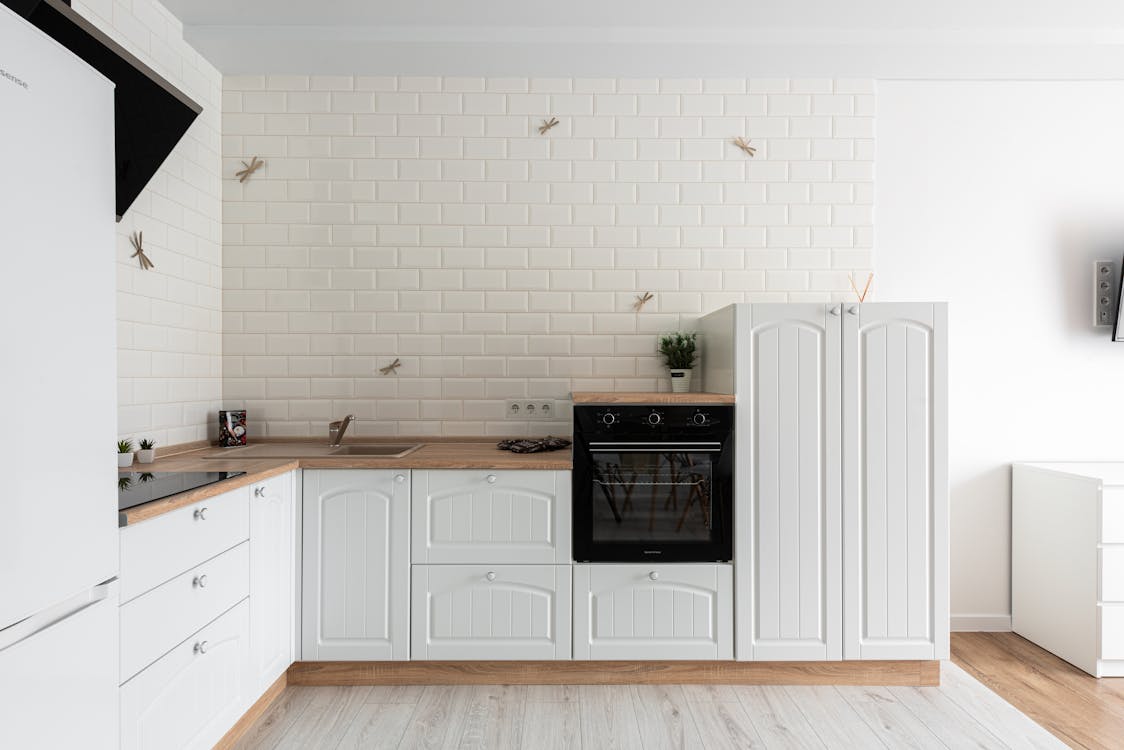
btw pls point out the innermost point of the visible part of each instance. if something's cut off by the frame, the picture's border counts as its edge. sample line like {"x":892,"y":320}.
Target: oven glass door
{"x":657,"y":501}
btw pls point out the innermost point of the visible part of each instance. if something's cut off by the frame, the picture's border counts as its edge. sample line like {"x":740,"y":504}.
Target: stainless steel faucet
{"x":336,"y":430}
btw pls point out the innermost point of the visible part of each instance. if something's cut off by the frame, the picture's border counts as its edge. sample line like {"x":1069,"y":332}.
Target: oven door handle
{"x":655,"y":447}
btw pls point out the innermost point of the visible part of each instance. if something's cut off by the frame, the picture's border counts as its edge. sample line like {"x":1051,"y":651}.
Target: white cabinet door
{"x":491,"y":612}
{"x":272,"y":579}
{"x":471,"y":516}
{"x":195,"y":693}
{"x":653,"y":612}
{"x":356,"y":591}
{"x":789,"y":539}
{"x":895,"y":490}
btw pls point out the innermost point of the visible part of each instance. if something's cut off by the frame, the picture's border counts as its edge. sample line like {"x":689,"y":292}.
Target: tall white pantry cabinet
{"x":841,"y":485}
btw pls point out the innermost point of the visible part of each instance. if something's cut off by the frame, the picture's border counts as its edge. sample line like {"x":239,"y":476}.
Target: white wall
{"x":426,"y":219}
{"x":998,"y":196}
{"x":170,"y":317}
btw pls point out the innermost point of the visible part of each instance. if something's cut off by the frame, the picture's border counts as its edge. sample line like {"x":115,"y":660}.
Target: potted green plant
{"x":679,"y":351}
{"x":147,"y":452}
{"x":124,"y":454}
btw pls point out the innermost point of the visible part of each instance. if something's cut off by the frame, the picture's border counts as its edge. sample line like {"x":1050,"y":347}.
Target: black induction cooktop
{"x":139,"y":487}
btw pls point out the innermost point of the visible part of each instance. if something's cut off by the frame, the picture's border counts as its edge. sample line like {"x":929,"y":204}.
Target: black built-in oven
{"x":653,"y":483}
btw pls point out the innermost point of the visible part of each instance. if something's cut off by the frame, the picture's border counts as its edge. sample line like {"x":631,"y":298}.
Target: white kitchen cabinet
{"x":895,"y":481}
{"x":841,"y":530}
{"x":193,"y":695}
{"x":789,"y":465}
{"x":356,"y":563}
{"x":491,"y":612}
{"x":653,"y":611}
{"x":491,"y":517}
{"x":272,"y":579}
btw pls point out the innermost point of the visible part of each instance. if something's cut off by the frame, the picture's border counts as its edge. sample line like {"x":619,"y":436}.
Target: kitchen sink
{"x":316,"y":450}
{"x":382,"y":451}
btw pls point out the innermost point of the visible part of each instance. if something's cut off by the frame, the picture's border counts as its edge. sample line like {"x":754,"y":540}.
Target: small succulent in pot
{"x":124,"y":454}
{"x":680,"y":352}
{"x":147,"y":452}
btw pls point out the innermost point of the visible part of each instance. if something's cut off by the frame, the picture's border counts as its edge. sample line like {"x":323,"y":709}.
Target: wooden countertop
{"x":594,"y":397}
{"x":443,"y":454}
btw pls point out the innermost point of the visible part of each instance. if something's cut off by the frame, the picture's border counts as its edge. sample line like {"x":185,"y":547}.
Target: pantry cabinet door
{"x":272,"y":579}
{"x":789,"y":572}
{"x":895,"y":481}
{"x":356,"y":565}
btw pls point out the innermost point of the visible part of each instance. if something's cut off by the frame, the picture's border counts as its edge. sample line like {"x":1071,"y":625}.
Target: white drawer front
{"x":192,"y":696}
{"x":1112,"y":631}
{"x":156,"y":550}
{"x":653,"y":612}
{"x":491,"y":612}
{"x":467,"y":516}
{"x":1112,"y":515}
{"x":156,"y":621}
{"x":1112,"y":574}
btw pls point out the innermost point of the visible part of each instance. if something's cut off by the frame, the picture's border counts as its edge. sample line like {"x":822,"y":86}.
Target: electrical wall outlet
{"x":1106,"y":288}
{"x":529,"y":408}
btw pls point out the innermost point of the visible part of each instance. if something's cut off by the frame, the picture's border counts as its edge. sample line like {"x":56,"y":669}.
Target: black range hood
{"x":151,"y":115}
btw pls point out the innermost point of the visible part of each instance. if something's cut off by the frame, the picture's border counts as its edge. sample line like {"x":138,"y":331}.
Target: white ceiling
{"x":883,"y":38}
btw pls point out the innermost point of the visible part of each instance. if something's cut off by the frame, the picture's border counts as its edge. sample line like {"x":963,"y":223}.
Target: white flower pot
{"x":146,"y":456}
{"x":124,"y":460}
{"x":680,"y":381}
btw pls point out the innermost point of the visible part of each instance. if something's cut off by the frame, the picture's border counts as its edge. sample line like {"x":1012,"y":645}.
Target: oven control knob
{"x":655,"y":418}
{"x":700,"y":419}
{"x":608,"y":419}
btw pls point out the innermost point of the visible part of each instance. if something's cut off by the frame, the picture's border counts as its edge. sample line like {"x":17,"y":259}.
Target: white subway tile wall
{"x":426,"y":219}
{"x":169,"y":318}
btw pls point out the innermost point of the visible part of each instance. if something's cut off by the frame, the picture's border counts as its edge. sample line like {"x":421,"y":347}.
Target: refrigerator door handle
{"x":40,"y":621}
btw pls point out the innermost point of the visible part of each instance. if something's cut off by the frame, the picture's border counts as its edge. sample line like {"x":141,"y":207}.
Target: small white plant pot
{"x":146,"y":455}
{"x":680,"y":381}
{"x":124,"y":460}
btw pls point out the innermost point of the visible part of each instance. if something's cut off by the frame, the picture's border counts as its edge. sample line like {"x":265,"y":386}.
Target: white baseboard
{"x":980,"y":623}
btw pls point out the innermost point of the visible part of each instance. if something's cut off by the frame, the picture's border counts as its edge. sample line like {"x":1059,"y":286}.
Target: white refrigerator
{"x":58,"y":519}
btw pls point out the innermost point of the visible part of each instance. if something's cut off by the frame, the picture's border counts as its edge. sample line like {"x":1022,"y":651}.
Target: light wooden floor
{"x":1083,"y":711}
{"x":959,"y":714}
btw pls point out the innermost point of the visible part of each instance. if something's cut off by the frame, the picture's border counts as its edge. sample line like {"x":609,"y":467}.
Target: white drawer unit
{"x":653,"y":611}
{"x":491,"y":612}
{"x":1067,"y":562}
{"x":491,"y":517}
{"x":156,"y":621}
{"x":156,"y":550}
{"x":194,"y":694}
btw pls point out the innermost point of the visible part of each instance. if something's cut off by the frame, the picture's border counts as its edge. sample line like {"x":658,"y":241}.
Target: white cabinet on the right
{"x":895,"y":481}
{"x":841,"y":529}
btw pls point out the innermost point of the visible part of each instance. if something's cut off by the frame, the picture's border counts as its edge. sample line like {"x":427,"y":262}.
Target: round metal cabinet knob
{"x":200,"y":514}
{"x":200,"y":582}
{"x":200,"y":647}
{"x":492,"y":479}
{"x":400,"y":478}
{"x":490,"y":576}
{"x":653,"y":576}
